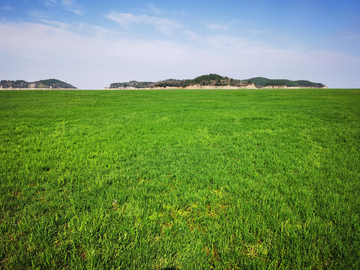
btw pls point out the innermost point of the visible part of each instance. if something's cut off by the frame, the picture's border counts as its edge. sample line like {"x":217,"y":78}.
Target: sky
{"x":91,"y":44}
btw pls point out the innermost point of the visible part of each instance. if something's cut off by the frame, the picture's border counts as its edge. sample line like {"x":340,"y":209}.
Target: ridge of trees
{"x":263,"y":82}
{"x":49,"y":83}
{"x":217,"y":80}
{"x":204,"y":80}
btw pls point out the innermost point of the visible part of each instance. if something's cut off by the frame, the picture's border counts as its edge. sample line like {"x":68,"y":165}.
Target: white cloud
{"x":33,"y":51}
{"x":165,"y":25}
{"x":6,"y":8}
{"x":224,"y":41}
{"x":86,"y":62}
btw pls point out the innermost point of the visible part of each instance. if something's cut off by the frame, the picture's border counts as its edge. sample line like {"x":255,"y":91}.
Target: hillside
{"x":217,"y":81}
{"x":264,"y":82}
{"x":21,"y":84}
{"x":204,"y":80}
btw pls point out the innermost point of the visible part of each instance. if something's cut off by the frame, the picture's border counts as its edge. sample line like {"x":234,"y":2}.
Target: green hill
{"x":204,"y":80}
{"x":263,"y":82}
{"x":50,"y":83}
{"x":215,"y":80}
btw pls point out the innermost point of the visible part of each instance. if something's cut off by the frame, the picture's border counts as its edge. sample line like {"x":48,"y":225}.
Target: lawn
{"x":180,"y":179}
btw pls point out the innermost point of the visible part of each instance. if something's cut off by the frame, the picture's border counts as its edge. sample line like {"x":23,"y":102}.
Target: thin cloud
{"x":349,"y":35}
{"x":192,"y":35}
{"x":38,"y":15}
{"x":222,"y":42}
{"x":6,"y":8}
{"x":69,"y":5}
{"x":217,"y":27}
{"x":165,"y":25}
{"x":222,"y":26}
{"x":56,"y":23}
{"x":154,"y":9}
{"x":258,"y":31}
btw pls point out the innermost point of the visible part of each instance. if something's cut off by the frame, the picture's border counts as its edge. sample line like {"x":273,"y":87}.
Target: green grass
{"x":223,"y":179}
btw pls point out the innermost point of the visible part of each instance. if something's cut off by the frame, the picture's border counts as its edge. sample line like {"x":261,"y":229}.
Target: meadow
{"x":180,"y":179}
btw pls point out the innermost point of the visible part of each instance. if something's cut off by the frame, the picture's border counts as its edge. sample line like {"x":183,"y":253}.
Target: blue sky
{"x":91,"y":44}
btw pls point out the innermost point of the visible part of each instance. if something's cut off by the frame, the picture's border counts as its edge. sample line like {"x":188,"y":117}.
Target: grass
{"x":218,"y":179}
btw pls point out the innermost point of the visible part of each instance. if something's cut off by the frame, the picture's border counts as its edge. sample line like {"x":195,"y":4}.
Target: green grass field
{"x":210,"y":179}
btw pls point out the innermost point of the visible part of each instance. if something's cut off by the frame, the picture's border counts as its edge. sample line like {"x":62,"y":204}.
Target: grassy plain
{"x":218,"y":179}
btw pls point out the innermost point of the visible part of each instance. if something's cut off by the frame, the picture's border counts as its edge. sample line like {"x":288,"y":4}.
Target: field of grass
{"x":218,"y":179}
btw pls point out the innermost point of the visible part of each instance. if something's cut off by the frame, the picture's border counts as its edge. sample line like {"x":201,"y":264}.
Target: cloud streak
{"x":217,"y":27}
{"x":350,"y":35}
{"x":165,"y":25}
{"x":69,"y":5}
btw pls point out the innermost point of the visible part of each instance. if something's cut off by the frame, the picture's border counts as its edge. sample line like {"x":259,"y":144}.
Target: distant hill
{"x":217,"y":81}
{"x":204,"y":80}
{"x":263,"y":82}
{"x":50,"y":84}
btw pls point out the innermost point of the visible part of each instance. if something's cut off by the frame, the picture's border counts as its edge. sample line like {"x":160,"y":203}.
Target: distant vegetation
{"x":215,"y":80}
{"x":50,"y":83}
{"x":263,"y":82}
{"x":204,"y":80}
